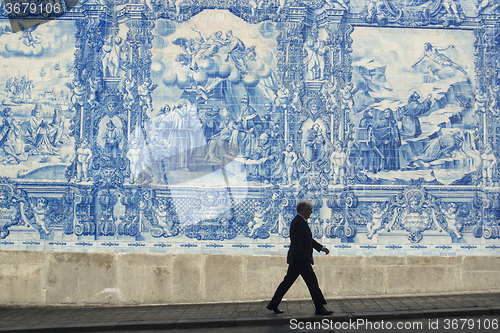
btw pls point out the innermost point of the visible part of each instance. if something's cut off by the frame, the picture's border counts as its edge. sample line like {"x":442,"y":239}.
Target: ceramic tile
{"x":197,"y":130}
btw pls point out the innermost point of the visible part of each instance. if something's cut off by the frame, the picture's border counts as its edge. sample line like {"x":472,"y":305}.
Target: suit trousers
{"x":306,"y":271}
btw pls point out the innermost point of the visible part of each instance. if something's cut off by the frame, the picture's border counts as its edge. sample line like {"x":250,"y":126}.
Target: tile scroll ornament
{"x":147,"y":124}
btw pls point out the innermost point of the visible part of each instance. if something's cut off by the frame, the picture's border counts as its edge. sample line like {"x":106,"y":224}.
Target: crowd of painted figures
{"x":35,"y":136}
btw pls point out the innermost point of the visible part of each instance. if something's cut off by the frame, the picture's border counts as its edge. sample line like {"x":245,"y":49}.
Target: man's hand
{"x":325,"y":250}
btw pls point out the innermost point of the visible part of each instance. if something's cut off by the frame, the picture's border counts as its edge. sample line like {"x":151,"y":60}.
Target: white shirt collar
{"x":302,"y":217}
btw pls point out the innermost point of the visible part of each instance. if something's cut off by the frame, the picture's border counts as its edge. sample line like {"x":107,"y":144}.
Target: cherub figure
{"x":290,"y":159}
{"x":328,"y":92}
{"x":489,"y":163}
{"x":83,"y":159}
{"x":298,"y":93}
{"x":375,"y":10}
{"x":144,"y":91}
{"x":282,"y":96}
{"x":339,"y":162}
{"x":78,"y":94}
{"x":452,"y":7}
{"x":450,"y":217}
{"x":377,"y":217}
{"x":483,"y":4}
{"x":258,"y":219}
{"x":162,"y":218}
{"x":480,"y":101}
{"x":347,"y":102}
{"x":255,"y":5}
{"x":40,"y":211}
{"x":95,"y":88}
{"x":282,"y":5}
{"x":177,"y":4}
{"x":111,"y":60}
{"x":134,"y":155}
{"x":128,"y":91}
{"x":344,"y":4}
{"x":495,"y":103}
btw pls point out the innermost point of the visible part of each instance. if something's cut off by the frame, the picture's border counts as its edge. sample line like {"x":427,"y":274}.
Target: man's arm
{"x":318,"y":247}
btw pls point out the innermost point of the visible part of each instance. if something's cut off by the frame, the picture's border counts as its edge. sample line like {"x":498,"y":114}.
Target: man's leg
{"x":311,"y":280}
{"x":291,"y":275}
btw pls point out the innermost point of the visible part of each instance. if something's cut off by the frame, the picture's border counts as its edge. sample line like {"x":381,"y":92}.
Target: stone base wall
{"x":43,"y":278}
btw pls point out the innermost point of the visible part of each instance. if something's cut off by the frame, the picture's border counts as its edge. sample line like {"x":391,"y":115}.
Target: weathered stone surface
{"x":345,"y":280}
{"x":263,"y":274}
{"x":22,"y":277}
{"x":420,"y":279}
{"x":481,"y":280}
{"x":223,"y":278}
{"x":93,"y":278}
{"x":81,"y":278}
{"x":385,"y":260}
{"x":481,"y":263}
{"x":433,"y":260}
{"x":187,"y":278}
{"x":144,"y":278}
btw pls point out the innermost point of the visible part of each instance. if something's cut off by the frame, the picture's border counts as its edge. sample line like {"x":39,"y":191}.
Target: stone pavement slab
{"x":163,"y":317}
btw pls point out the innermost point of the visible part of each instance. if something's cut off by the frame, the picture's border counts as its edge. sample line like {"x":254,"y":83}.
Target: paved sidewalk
{"x":162,"y":317}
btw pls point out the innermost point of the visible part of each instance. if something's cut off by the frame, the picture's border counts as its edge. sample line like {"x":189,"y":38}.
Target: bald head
{"x":304,"y":208}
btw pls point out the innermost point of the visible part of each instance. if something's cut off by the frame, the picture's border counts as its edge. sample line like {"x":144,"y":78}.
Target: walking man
{"x":300,"y":261}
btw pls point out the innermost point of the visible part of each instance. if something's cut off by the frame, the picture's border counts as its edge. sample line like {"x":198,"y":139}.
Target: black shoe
{"x":323,"y":311}
{"x":274,"y":309}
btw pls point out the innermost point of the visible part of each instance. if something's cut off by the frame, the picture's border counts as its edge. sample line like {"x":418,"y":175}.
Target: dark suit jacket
{"x":301,"y":242}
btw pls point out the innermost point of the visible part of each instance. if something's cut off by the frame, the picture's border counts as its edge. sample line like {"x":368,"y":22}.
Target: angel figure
{"x":259,"y":219}
{"x":450,"y":216}
{"x":290,"y":159}
{"x":480,"y":102}
{"x":339,"y":162}
{"x":495,"y":102}
{"x":163,"y":219}
{"x":144,"y":91}
{"x":83,"y":160}
{"x":433,"y":53}
{"x":39,"y":214}
{"x":483,"y":4}
{"x":347,"y":102}
{"x":489,"y":164}
{"x":111,"y":60}
{"x":375,"y":10}
{"x":282,"y":5}
{"x":95,"y":88}
{"x":344,"y":4}
{"x":452,"y":8}
{"x":328,"y":92}
{"x":28,"y":38}
{"x":178,"y":3}
{"x":377,"y":217}
{"x":282,"y":96}
{"x":78,"y":94}
{"x":134,"y":156}
{"x":298,"y":93}
{"x":127,"y":90}
{"x":41,"y":211}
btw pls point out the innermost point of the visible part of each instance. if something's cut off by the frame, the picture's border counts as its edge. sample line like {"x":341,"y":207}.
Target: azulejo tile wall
{"x":195,"y":126}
